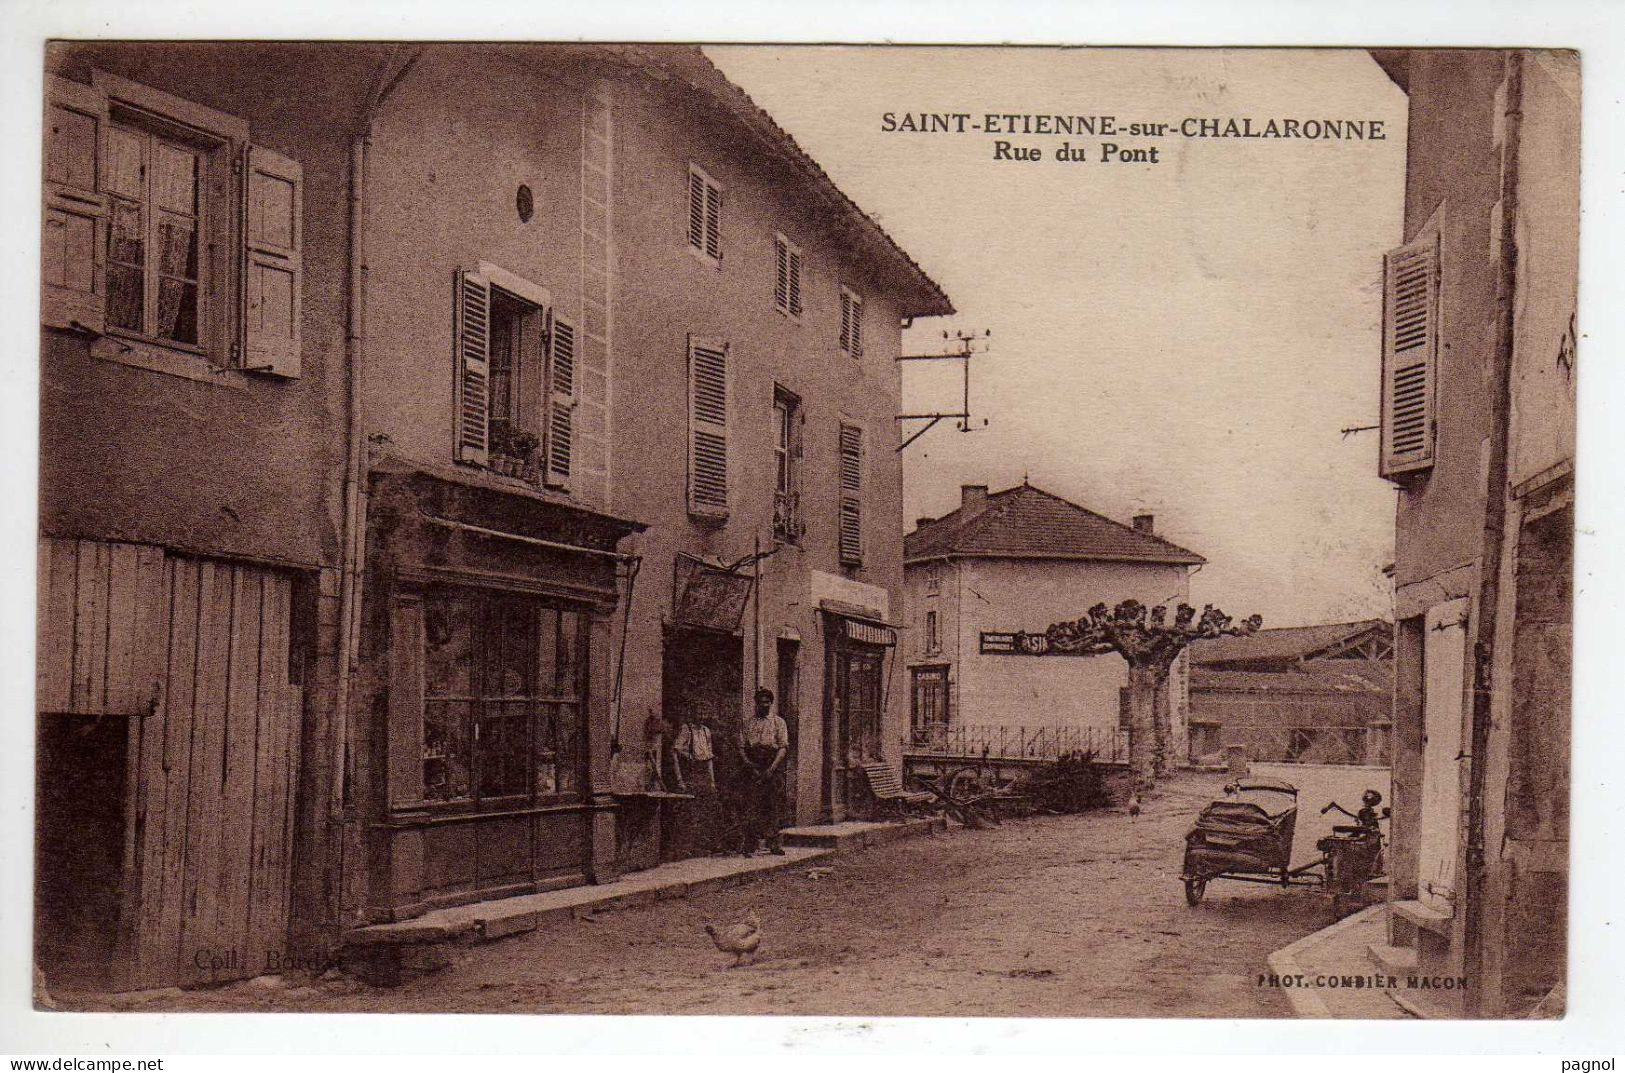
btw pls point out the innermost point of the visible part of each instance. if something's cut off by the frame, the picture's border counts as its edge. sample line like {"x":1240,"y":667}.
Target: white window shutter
{"x":696,"y":210}
{"x":851,"y":323}
{"x":273,"y":262}
{"x":1410,"y":347}
{"x":850,"y":523}
{"x":473,"y":366}
{"x":562,"y":402}
{"x":708,"y":426}
{"x":74,"y":221}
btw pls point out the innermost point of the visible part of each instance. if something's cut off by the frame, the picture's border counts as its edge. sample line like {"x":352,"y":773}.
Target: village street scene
{"x":626,"y":529}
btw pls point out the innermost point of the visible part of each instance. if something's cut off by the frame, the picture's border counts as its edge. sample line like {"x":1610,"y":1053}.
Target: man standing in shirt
{"x":764,"y":741}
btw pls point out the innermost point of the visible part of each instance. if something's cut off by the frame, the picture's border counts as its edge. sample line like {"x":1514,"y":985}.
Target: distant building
{"x":1302,"y":694}
{"x":1479,"y":351}
{"x":1008,"y":564}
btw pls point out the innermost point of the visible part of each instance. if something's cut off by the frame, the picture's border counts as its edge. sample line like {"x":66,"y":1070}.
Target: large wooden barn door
{"x":193,"y":654}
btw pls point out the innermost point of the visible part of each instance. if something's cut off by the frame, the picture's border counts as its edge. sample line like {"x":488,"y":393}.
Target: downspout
{"x":353,"y":559}
{"x":1494,"y":521}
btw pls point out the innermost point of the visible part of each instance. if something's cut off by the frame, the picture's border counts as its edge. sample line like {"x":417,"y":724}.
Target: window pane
{"x":445,"y":751}
{"x":547,"y":650}
{"x":125,"y":243}
{"x":177,"y":246}
{"x":449,"y":646}
{"x":567,"y":735}
{"x":510,"y":655}
{"x":177,"y":310}
{"x":504,"y":748}
{"x":124,"y":297}
{"x":126,"y":161}
{"x":569,"y":669}
{"x":174,"y":180}
{"x":547,"y":750}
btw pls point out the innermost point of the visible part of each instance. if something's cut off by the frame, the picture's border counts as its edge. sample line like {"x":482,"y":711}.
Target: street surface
{"x":1048,"y":916}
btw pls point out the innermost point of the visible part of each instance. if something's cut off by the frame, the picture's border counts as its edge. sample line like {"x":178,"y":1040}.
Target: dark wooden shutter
{"x":1409,"y":355}
{"x":74,"y":222}
{"x":781,"y":279}
{"x":273,"y":192}
{"x":562,"y":388}
{"x":708,"y":426}
{"x":713,"y":220}
{"x":473,"y":366}
{"x":696,"y":210}
{"x":850,"y":523}
{"x":795,"y":282}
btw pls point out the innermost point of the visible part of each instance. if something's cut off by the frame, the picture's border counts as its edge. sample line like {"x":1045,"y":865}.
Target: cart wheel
{"x":964,"y":782}
{"x":1194,"y":889}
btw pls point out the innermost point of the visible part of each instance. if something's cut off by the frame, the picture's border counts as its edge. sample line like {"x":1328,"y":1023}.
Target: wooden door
{"x":928,"y":712}
{"x":1444,"y":663}
{"x":193,"y":655}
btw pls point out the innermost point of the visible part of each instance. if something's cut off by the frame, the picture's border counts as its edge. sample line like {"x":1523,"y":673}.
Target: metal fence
{"x":1295,"y":744}
{"x":1017,"y":743}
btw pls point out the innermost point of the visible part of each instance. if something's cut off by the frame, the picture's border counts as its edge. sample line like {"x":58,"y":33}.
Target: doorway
{"x":928,"y":705}
{"x":853,"y":719}
{"x":787,"y":685}
{"x":1444,"y":661}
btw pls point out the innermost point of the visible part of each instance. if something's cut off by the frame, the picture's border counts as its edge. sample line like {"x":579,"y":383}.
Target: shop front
{"x":493,"y":617}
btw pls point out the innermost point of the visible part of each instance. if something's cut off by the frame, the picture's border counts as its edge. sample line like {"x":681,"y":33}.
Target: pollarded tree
{"x":1150,"y":643}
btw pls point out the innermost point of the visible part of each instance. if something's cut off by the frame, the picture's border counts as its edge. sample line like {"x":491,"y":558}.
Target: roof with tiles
{"x":1285,"y":643}
{"x":1028,"y":522}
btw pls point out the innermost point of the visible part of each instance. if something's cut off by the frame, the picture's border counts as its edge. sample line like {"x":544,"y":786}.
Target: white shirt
{"x":770,"y":732}
{"x":694,"y":742}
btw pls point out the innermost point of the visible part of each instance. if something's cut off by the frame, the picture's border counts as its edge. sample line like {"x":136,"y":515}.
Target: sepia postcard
{"x":827,"y":530}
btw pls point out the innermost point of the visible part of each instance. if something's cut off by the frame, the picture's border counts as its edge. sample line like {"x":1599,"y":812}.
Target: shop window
{"x":502,"y":698}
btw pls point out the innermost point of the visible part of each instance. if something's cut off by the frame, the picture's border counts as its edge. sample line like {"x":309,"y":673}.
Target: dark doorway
{"x":701,"y":678}
{"x":852,"y":719}
{"x":928,"y":708}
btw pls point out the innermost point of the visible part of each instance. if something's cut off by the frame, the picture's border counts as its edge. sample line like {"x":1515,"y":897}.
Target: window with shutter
{"x":704,"y":214}
{"x":787,"y":276}
{"x":851,"y":323}
{"x":473,"y":336}
{"x":786,"y":466}
{"x":562,"y":388}
{"x":708,"y":427}
{"x":273,"y":262}
{"x":1410,"y":354}
{"x":849,"y":526}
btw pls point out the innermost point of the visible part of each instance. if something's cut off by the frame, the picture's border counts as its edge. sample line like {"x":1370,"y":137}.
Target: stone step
{"x":858,"y":834}
{"x":1394,"y":960}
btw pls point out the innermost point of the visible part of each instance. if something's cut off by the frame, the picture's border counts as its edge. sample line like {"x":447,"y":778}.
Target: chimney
{"x":972,"y":496}
{"x":921,"y":523}
{"x":1145,"y":523}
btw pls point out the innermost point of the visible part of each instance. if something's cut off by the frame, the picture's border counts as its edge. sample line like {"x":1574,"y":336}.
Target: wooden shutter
{"x":273,"y":262}
{"x":851,"y":323}
{"x":473,"y":366}
{"x":562,"y":402}
{"x":713,"y":220}
{"x":781,"y":279}
{"x":1409,"y":355}
{"x":708,"y":426}
{"x":850,"y":523}
{"x":74,"y":221}
{"x":696,"y":210}
{"x":795,"y":282}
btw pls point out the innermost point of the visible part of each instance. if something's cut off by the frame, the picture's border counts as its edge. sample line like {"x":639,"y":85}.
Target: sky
{"x":1185,"y":338}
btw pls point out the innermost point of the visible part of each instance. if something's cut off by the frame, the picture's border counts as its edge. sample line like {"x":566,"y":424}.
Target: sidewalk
{"x":1330,"y":973}
{"x":388,"y":953}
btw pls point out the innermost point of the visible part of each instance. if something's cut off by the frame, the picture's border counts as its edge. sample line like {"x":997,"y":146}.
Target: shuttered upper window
{"x":707,"y":426}
{"x":516,"y":378}
{"x":140,"y":191}
{"x":704,"y":214}
{"x":851,"y":323}
{"x":786,"y":276}
{"x":849,"y":524}
{"x":1410,"y":354}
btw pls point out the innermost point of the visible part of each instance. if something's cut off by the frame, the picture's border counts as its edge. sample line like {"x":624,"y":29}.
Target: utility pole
{"x":966,"y":349}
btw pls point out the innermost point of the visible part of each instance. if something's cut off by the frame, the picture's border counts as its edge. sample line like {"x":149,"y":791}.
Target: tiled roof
{"x":1027,"y":522}
{"x":689,"y":65}
{"x":1316,"y":676}
{"x":1286,"y":643}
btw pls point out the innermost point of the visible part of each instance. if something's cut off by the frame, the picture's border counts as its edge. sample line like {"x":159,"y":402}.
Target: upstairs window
{"x":787,"y":277}
{"x":145,"y":195}
{"x":933,"y":642}
{"x":849,"y":528}
{"x":515,"y":378}
{"x":1410,"y":348}
{"x":851,"y":323}
{"x":708,"y":427}
{"x":786,"y":466}
{"x":933,"y":579}
{"x":704,"y":215}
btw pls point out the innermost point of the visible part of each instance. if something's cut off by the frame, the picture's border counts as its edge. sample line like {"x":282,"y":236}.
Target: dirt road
{"x":1060,"y":916}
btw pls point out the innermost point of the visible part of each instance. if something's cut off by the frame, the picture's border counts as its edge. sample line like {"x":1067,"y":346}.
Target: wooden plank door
{"x":1444,"y":661}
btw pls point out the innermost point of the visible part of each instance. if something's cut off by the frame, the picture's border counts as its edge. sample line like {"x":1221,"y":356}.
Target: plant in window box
{"x":523,"y":445}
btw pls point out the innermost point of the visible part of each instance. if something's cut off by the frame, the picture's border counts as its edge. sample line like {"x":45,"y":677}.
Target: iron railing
{"x":1295,"y":745}
{"x":1016,"y":742}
